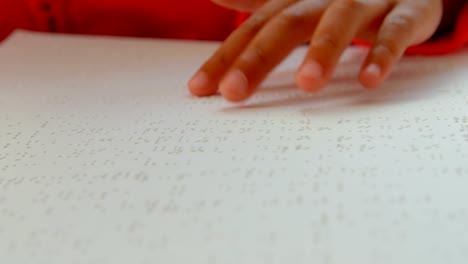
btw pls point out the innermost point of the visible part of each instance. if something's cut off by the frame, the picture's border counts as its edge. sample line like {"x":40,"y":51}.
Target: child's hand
{"x":278,"y":26}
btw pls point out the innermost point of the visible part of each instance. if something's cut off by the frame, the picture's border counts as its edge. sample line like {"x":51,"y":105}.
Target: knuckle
{"x":293,"y":17}
{"x":221,"y":59}
{"x":401,"y":23}
{"x":256,"y":56}
{"x":387,"y":50}
{"x":351,"y":4}
{"x":326,"y":41}
{"x":254,"y":23}
{"x":260,"y":55}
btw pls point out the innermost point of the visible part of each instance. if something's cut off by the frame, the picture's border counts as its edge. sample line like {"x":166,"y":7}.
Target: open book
{"x":106,"y":158}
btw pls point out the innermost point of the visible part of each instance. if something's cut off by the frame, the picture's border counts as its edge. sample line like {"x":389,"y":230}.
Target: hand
{"x":278,"y":26}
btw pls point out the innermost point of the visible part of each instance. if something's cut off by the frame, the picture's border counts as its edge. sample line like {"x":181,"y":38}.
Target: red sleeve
{"x":448,"y":43}
{"x":194,"y":19}
{"x":14,"y":14}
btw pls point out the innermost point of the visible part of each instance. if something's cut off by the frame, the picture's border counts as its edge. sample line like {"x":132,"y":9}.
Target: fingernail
{"x":199,"y":83}
{"x":310,"y":76}
{"x":371,"y":76}
{"x":235,"y":86}
{"x":374,"y":70}
{"x":311,"y":70}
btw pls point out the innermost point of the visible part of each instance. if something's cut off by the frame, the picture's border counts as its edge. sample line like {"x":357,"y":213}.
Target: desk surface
{"x":105,"y":158}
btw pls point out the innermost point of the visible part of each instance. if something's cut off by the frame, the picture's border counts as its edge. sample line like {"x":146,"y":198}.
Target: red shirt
{"x":194,"y":19}
{"x":188,"y":19}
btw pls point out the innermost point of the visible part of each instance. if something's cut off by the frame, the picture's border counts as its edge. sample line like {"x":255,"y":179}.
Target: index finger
{"x":205,"y":81}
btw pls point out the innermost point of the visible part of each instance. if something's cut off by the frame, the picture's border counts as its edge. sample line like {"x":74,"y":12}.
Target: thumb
{"x":241,"y":5}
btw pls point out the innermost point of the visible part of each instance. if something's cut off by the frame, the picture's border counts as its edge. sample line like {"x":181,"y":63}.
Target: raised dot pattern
{"x":127,"y":170}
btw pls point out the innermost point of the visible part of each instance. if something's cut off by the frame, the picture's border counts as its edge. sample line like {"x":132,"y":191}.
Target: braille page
{"x":106,"y":158}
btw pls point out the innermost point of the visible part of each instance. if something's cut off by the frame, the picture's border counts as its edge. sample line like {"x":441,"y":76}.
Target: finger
{"x":273,"y":43}
{"x":404,"y":26}
{"x":205,"y":81}
{"x":338,"y":26}
{"x":249,"y":6}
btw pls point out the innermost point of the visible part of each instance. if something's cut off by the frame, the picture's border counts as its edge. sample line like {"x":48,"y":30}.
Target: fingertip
{"x":201,"y":85}
{"x":371,"y":76}
{"x":234,"y":87}
{"x":310,"y":76}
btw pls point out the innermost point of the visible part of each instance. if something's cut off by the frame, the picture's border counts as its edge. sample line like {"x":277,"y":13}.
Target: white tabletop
{"x":106,"y":158}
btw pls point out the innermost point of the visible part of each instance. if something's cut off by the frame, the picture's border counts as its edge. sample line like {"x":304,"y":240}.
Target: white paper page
{"x":105,"y":158}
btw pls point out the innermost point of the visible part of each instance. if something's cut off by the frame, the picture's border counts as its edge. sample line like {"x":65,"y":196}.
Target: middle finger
{"x":293,"y":26}
{"x":338,"y":26}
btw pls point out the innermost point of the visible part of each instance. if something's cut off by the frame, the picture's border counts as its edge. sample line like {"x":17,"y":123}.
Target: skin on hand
{"x":276,"y":27}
